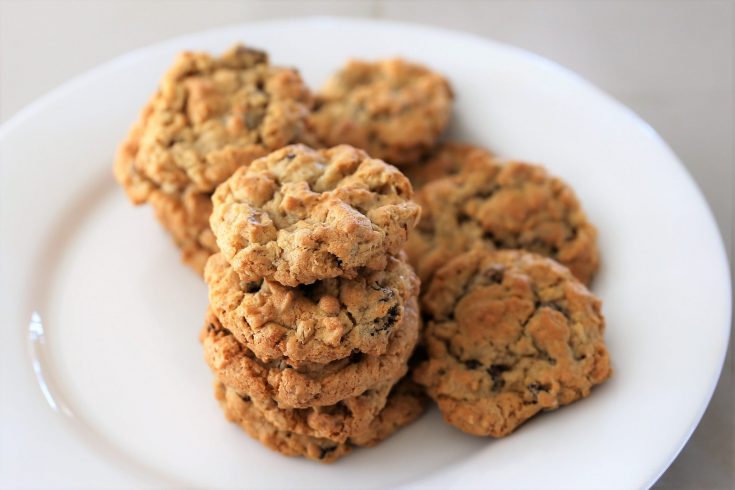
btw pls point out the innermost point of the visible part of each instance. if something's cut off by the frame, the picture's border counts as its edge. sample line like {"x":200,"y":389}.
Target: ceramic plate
{"x":103,"y":381}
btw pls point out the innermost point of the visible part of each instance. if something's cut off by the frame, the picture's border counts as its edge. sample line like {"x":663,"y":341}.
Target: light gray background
{"x":670,"y":61}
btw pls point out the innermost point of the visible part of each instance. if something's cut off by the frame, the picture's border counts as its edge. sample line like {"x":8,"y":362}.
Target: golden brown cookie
{"x":184,"y":215}
{"x":338,"y":422}
{"x":405,"y":404}
{"x":210,"y":116}
{"x":309,"y":385}
{"x":509,"y":334}
{"x":393,"y":109}
{"x":498,"y":205}
{"x":186,"y":218}
{"x":445,"y":160}
{"x":317,"y":323}
{"x":300,"y":215}
{"x":241,"y":411}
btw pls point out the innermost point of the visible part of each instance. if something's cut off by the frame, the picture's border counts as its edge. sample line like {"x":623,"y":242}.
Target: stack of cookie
{"x":313,"y":307}
{"x":314,"y":303}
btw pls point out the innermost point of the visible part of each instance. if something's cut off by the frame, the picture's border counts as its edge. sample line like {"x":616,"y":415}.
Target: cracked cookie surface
{"x":210,"y":116}
{"x":393,"y":109}
{"x":300,"y":215}
{"x":502,"y":205}
{"x":509,"y":334}
{"x":308,"y":385}
{"x":447,"y":159}
{"x":316,"y":323}
{"x":405,"y":404}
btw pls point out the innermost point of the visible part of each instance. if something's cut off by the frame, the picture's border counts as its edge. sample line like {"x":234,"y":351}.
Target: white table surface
{"x":670,"y":61}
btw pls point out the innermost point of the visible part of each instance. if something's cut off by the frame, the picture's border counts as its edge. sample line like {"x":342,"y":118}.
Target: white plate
{"x":127,"y":397}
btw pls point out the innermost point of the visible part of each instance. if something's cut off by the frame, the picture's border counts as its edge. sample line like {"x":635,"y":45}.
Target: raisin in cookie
{"x":210,"y":116}
{"x":405,"y":404}
{"x":499,"y":206}
{"x":393,"y":109}
{"x":509,"y":334}
{"x":300,"y":215}
{"x":318,"y":323}
{"x":445,"y":160}
{"x":308,"y":385}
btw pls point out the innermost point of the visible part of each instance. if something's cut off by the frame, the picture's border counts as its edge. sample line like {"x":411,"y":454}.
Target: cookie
{"x":393,"y":109}
{"x":445,"y":160}
{"x":210,"y":116}
{"x":318,"y":323}
{"x":498,"y":205}
{"x":300,"y":215}
{"x":186,"y":218}
{"x":241,"y":411}
{"x":338,"y":422}
{"x":509,"y":334}
{"x":309,"y":385}
{"x":405,"y":404}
